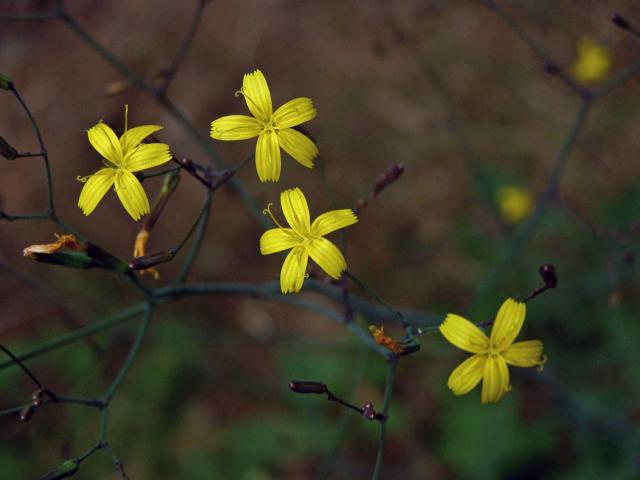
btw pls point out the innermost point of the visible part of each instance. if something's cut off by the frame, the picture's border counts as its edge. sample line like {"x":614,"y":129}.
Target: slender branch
{"x":201,"y":225}
{"x":132,"y":353}
{"x":170,"y":72}
{"x":43,"y":149}
{"x":530,"y":225}
{"x":388,"y":391}
{"x":58,"y":342}
{"x":22,"y":366}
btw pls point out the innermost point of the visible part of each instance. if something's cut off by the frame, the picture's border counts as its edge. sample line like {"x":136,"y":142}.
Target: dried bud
{"x":551,"y":67}
{"x":548,"y":274}
{"x":36,"y":397}
{"x":27,"y":412}
{"x":5,"y":82}
{"x":148,"y":261}
{"x":105,"y":260}
{"x":368,"y":412}
{"x":620,"y":22}
{"x":67,"y":469}
{"x":303,"y":386}
{"x":7,"y":151}
{"x":387,"y":178}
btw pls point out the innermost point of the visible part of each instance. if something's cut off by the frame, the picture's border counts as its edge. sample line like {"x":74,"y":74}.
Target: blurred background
{"x":444,"y":88}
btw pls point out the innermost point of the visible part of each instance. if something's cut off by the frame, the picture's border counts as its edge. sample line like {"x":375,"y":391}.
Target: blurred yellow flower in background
{"x":122,"y":157}
{"x":273,"y":129}
{"x":305,"y":239}
{"x":593,"y":62}
{"x":491,"y":354}
{"x":514,"y":203}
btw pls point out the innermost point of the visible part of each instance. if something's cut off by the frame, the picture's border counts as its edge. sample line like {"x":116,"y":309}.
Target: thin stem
{"x":43,"y":149}
{"x":22,"y":366}
{"x":373,"y":294}
{"x":388,"y":391}
{"x":58,"y":342}
{"x":160,"y":173}
{"x":201,"y":225}
{"x":171,"y":71}
{"x":529,"y":227}
{"x":132,"y":353}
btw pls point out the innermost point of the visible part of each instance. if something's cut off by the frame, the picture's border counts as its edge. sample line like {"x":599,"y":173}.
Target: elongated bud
{"x":303,"y":386}
{"x":7,"y":151}
{"x":620,"y":21}
{"x":5,"y":82}
{"x":36,"y":397}
{"x":548,"y":274}
{"x":105,"y":260}
{"x":68,"y":259}
{"x":387,"y":178}
{"x":151,"y":260}
{"x":67,"y":469}
{"x":27,"y":412}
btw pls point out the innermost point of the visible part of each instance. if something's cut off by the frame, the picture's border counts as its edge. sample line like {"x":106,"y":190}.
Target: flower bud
{"x":7,"y":151}
{"x":387,"y":178}
{"x":66,"y":259}
{"x":151,"y":260}
{"x":27,"y":412}
{"x":5,"y":82}
{"x":67,"y":469}
{"x":548,"y":274}
{"x":302,"y":386}
{"x":620,"y":22}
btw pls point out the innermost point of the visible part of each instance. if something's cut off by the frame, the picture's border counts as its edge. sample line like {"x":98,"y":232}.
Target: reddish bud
{"x":548,"y":274}
{"x":302,"y":386}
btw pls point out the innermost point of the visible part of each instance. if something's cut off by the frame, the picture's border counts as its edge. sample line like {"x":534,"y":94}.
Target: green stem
{"x":388,"y":391}
{"x":373,"y":294}
{"x":99,"y":326}
{"x":135,"y":348}
{"x":201,"y":224}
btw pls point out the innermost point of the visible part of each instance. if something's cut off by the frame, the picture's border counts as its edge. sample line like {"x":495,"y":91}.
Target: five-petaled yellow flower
{"x":305,"y":239}
{"x":273,"y":129}
{"x":491,"y":354}
{"x":593,"y":62}
{"x":122,"y":157}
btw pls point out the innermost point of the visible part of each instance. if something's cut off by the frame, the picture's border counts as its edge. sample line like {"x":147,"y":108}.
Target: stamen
{"x":253,"y":102}
{"x":267,"y":211}
{"x":541,"y":363}
{"x":83,"y":179}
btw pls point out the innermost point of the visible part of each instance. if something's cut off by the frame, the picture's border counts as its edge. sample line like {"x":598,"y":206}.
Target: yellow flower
{"x":122,"y":157}
{"x":305,"y":239}
{"x":515,"y":203}
{"x":273,"y":129}
{"x":593,"y":62}
{"x":491,"y":355}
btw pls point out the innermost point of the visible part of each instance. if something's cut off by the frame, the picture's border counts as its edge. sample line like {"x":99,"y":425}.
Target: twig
{"x":388,"y":390}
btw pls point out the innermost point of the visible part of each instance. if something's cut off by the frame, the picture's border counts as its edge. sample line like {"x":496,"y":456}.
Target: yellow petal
{"x":268,"y":162}
{"x":147,"y":155}
{"x":467,"y":375}
{"x":132,"y":137}
{"x":131,"y":194}
{"x":277,"y":240}
{"x":293,"y":270}
{"x":106,"y":143}
{"x":327,"y":256}
{"x":496,"y":379}
{"x":299,"y":146}
{"x":95,"y":188}
{"x":235,"y":127}
{"x":331,"y":221}
{"x":296,"y":211}
{"x":256,"y":94}
{"x":294,"y":112}
{"x":464,"y":334}
{"x":524,"y":354}
{"x":508,"y":323}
